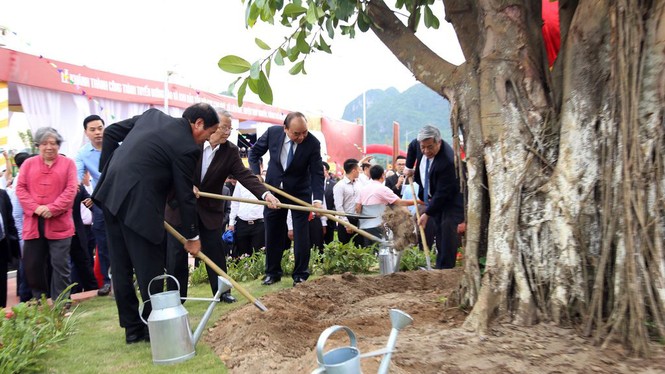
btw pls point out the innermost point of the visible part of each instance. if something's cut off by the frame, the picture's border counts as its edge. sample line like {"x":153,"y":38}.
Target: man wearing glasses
{"x":219,"y":159}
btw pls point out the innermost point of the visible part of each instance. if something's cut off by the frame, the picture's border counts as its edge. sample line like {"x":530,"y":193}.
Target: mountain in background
{"x":412,"y":109}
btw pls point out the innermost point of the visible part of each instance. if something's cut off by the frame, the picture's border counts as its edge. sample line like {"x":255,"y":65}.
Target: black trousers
{"x":4,"y":260}
{"x":177,"y":258}
{"x":330,"y":232}
{"x":345,"y":237}
{"x":82,"y":266}
{"x":447,"y":240}
{"x":316,"y":233}
{"x":131,"y":252}
{"x":276,"y":235}
{"x":249,"y":237}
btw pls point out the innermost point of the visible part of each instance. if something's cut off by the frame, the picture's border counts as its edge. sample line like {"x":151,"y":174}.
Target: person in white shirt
{"x":345,"y":194}
{"x":246,"y":220}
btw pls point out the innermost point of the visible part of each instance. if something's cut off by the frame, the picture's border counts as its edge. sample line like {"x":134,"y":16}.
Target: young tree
{"x":565,"y":164}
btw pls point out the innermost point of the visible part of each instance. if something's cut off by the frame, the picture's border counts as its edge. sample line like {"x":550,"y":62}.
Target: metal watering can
{"x":171,"y":339}
{"x":346,"y":360}
{"x":389,"y":259}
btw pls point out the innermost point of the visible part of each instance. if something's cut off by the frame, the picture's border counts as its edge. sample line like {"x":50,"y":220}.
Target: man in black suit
{"x":329,"y":183}
{"x":9,"y":247}
{"x":435,"y":171}
{"x":295,"y":166}
{"x":158,"y":154}
{"x":397,"y":180}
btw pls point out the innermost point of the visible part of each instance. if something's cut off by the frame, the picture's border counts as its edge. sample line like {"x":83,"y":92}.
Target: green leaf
{"x":330,"y":28}
{"x":233,"y":64}
{"x":279,"y":58}
{"x":293,"y":54}
{"x":301,"y":43}
{"x":311,"y":14}
{"x":254,"y":70}
{"x":323,"y":46}
{"x":268,"y":67}
{"x":430,"y":19}
{"x":297,"y":68}
{"x":253,"y":85}
{"x":241,"y":91}
{"x":232,"y":86}
{"x":251,"y":15}
{"x":293,"y":10}
{"x":363,"y":22}
{"x":265,"y":92}
{"x":262,"y":44}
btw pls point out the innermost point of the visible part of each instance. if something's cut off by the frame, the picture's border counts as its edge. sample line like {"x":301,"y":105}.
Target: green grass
{"x":98,"y":344}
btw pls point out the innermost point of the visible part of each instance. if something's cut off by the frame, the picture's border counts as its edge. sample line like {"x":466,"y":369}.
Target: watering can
{"x":171,"y":339}
{"x":346,"y":360}
{"x":389,"y":259}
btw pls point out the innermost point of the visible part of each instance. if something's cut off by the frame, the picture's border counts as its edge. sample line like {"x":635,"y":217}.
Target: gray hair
{"x":223,"y":113}
{"x":44,"y":133}
{"x":429,"y":132}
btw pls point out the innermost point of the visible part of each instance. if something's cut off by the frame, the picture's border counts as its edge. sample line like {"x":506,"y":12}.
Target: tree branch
{"x":428,"y":67}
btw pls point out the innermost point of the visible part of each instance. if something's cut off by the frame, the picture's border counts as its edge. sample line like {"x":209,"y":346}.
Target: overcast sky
{"x":147,"y":38}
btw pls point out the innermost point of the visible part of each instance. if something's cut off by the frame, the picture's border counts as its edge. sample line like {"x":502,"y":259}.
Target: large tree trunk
{"x":565,"y":168}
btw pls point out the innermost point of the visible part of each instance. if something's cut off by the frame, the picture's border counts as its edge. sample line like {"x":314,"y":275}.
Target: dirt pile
{"x":283,"y":339}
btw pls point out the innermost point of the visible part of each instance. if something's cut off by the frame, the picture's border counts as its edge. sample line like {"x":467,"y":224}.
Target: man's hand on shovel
{"x":271,"y":200}
{"x":193,"y":247}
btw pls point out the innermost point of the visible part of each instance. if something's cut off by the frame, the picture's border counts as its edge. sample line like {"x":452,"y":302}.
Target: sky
{"x":147,"y":38}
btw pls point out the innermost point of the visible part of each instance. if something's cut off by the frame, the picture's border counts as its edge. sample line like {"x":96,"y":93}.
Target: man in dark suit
{"x":219,"y":159}
{"x":329,"y":183}
{"x":435,"y":171}
{"x":295,"y":166}
{"x":397,"y":180}
{"x":158,"y":154}
{"x":9,"y":247}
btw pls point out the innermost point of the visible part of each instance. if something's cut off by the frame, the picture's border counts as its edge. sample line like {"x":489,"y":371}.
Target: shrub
{"x":198,"y":275}
{"x":247,"y":268}
{"x":340,"y":258}
{"x":29,"y":330}
{"x":413,"y":259}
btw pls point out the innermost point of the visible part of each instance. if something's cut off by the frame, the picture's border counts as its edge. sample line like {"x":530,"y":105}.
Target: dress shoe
{"x":105,"y":290}
{"x":297,"y":280}
{"x":137,"y":336}
{"x":227,"y":298}
{"x":270,"y":280}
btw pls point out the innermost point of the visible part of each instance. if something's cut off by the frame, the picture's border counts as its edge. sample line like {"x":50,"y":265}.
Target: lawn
{"x":98,"y":344}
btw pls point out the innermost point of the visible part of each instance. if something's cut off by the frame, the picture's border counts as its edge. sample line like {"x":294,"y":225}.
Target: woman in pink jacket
{"x":46,"y":188}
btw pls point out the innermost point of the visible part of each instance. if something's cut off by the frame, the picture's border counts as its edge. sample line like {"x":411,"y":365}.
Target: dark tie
{"x":426,"y":183}
{"x":289,"y":158}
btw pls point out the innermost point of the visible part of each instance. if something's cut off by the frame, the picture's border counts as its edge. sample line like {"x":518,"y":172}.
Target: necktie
{"x":289,"y":157}
{"x":426,"y":184}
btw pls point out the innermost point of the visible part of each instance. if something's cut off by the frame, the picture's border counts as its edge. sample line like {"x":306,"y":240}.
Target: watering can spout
{"x":223,"y":285}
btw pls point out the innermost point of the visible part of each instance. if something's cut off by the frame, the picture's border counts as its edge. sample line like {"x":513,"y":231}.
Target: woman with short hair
{"x":46,"y":189}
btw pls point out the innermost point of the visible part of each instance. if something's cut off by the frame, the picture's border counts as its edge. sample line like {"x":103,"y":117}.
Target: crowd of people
{"x":113,"y":199}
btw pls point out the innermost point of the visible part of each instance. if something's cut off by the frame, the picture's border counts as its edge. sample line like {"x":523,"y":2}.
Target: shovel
{"x":422,"y":229}
{"x":217,"y":270}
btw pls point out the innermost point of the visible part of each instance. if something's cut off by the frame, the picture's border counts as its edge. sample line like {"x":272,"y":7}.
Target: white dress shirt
{"x":345,"y":194}
{"x":244,"y":211}
{"x":208,"y":154}
{"x":284,"y":155}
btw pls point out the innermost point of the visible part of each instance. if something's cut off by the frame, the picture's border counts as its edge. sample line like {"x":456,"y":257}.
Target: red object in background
{"x":97,"y":269}
{"x":383,"y":149}
{"x":551,"y":29}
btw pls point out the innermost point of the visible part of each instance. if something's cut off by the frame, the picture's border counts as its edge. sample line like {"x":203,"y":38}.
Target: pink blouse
{"x":55,"y":187}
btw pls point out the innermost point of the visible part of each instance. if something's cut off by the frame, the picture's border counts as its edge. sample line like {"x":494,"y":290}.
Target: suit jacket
{"x":304,"y":177}
{"x":443,"y":182}
{"x":158,"y":154}
{"x":391,"y":181}
{"x":329,"y":185}
{"x":79,"y":227}
{"x":225,"y":162}
{"x":9,"y":246}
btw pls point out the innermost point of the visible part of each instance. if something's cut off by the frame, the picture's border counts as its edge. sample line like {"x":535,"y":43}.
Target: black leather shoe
{"x":227,"y":298}
{"x":271,"y":280}
{"x":105,"y":290}
{"x":297,"y":280}
{"x":137,"y":336}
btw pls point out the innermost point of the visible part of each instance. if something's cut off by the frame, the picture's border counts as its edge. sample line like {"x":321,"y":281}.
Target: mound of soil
{"x":283,"y":339}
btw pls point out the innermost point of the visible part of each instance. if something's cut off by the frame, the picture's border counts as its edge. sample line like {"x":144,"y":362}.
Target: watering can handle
{"x":141,"y":311}
{"x":163,"y":276}
{"x":326,"y":334}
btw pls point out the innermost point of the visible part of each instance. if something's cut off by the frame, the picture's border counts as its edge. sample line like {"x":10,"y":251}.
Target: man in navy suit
{"x":295,"y":166}
{"x":435,"y":172}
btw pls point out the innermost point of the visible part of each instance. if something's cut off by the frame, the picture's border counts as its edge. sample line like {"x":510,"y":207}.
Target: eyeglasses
{"x":226,"y":129}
